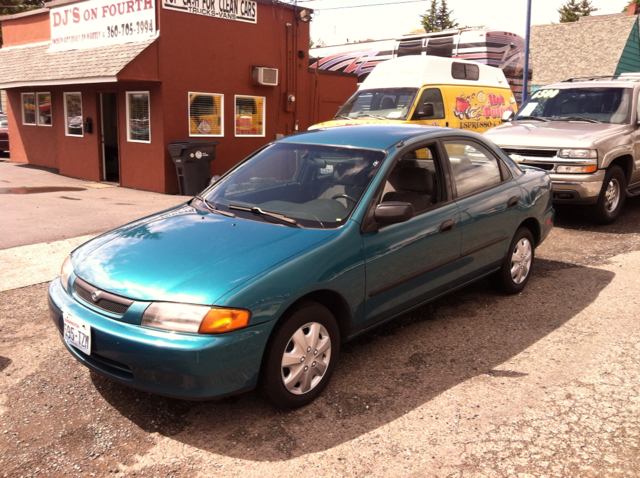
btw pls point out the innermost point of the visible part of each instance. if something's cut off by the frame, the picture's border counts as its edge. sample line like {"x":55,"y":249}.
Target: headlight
{"x":578,"y":153}
{"x":195,"y":319}
{"x":65,"y":273}
{"x":576,"y":169}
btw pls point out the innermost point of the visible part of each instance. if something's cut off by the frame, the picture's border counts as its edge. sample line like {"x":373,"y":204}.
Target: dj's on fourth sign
{"x":238,"y":10}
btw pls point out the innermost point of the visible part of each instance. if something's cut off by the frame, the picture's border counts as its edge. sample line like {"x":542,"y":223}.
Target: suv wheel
{"x":612,"y":196}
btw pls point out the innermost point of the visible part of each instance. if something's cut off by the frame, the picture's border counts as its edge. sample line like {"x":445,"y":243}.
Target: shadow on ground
{"x":381,"y":375}
{"x":574,"y":218}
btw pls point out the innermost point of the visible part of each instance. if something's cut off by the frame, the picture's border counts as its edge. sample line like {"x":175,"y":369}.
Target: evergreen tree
{"x":438,"y":17}
{"x":573,"y":10}
{"x":11,"y":7}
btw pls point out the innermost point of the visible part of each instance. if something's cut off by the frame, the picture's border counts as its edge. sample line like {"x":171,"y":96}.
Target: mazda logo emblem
{"x":95,"y":295}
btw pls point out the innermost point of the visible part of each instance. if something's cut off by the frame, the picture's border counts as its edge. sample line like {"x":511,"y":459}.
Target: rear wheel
{"x":612,"y":196}
{"x":300,"y":357}
{"x":516,"y":269}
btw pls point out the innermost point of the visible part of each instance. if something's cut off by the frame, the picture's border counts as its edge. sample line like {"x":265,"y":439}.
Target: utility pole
{"x":525,"y":81}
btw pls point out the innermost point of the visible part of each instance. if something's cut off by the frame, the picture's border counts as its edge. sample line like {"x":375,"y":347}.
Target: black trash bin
{"x":192,"y":158}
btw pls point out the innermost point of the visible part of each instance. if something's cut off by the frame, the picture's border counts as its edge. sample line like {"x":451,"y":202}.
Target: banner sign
{"x":101,"y":22}
{"x":237,"y":10}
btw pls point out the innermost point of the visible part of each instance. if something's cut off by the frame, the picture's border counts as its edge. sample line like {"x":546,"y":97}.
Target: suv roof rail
{"x":632,"y":76}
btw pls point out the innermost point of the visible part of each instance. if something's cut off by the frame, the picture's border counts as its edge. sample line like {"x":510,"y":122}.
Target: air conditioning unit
{"x":265,"y":76}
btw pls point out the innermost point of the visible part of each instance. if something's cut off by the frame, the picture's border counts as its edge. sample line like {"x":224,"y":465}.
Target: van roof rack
{"x":633,"y":76}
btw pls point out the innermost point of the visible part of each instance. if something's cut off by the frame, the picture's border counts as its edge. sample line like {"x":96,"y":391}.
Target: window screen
{"x":28,"y":108}
{"x":44,"y":109}
{"x":138,"y":116}
{"x":205,"y":114}
{"x":73,"y":114}
{"x":250,"y":113}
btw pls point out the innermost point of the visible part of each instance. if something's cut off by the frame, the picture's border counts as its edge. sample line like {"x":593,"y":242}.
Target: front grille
{"x":104,"y":364}
{"x":532,"y":153}
{"x":105,"y":301}
{"x":545,"y":166}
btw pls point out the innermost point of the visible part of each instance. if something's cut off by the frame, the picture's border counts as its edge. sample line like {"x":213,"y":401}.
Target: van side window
{"x":474,"y":168}
{"x":433,"y":96}
{"x":463,"y":71}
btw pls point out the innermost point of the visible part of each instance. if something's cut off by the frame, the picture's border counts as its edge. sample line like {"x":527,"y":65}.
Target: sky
{"x":341,"y":25}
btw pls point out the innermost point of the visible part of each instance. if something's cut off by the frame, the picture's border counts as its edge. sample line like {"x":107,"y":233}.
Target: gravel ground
{"x":544,"y":383}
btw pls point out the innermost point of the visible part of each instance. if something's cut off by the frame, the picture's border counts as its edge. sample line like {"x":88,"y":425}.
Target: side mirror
{"x":393,"y":212}
{"x":507,"y":116}
{"x":426,"y":111}
{"x":214,"y":179}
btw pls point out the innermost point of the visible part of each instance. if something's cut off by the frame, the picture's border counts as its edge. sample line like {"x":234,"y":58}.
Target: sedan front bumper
{"x":188,"y":366}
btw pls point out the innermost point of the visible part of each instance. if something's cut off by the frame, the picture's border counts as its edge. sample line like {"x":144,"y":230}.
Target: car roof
{"x":369,"y":136}
{"x":621,"y":83}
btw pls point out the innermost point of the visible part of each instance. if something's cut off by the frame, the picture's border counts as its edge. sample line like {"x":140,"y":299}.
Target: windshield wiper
{"x":535,"y":118}
{"x":577,"y":118}
{"x":256,"y":210}
{"x":212,"y":208}
{"x":372,"y":116}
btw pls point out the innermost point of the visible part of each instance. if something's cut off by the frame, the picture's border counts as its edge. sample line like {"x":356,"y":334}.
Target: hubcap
{"x":612,"y":195}
{"x":521,"y":260}
{"x":310,"y":344}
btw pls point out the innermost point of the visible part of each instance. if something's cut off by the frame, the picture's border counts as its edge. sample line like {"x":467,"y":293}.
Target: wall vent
{"x":265,"y":76}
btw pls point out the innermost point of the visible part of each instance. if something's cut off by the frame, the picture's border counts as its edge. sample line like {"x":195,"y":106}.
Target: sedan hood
{"x":552,"y":134}
{"x":187,"y":255}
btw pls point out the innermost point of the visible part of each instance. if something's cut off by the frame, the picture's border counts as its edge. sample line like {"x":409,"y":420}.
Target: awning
{"x":33,"y":65}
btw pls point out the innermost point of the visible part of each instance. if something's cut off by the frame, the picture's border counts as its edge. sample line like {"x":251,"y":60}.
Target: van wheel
{"x":612,"y":197}
{"x":301,"y":356}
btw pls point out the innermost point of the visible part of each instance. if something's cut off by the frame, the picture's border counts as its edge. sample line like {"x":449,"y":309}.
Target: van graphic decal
{"x":480,"y":106}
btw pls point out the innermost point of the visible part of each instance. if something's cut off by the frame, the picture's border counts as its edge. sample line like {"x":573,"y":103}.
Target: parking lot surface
{"x":544,"y":383}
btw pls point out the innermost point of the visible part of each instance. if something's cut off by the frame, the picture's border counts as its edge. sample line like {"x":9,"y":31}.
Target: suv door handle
{"x":447,"y":226}
{"x":513,"y":202}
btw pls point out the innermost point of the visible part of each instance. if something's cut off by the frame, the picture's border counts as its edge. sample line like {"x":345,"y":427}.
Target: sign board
{"x":237,"y":10}
{"x":101,"y":22}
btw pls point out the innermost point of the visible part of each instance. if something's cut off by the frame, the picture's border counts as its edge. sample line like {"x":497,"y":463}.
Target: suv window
{"x":605,"y":105}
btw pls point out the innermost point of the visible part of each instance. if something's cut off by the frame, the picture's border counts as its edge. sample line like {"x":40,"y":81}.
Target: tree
{"x":573,"y":10}
{"x":438,"y":18}
{"x":17,"y":6}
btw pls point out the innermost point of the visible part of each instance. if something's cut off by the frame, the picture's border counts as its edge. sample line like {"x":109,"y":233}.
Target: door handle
{"x":513,"y":202}
{"x":447,"y":226}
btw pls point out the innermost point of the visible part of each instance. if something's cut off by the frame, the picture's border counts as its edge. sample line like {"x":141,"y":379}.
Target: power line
{"x":359,"y":6}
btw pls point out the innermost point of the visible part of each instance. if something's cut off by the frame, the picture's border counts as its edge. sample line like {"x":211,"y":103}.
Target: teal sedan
{"x":312,"y":240}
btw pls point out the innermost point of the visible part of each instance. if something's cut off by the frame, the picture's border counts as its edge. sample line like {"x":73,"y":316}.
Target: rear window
{"x":463,"y":71}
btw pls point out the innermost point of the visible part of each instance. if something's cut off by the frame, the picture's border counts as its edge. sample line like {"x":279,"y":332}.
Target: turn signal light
{"x":218,"y":321}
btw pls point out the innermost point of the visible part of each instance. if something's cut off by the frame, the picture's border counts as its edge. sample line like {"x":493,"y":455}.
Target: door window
{"x":433,"y":96}
{"x":414,"y":179}
{"x":474,"y":168}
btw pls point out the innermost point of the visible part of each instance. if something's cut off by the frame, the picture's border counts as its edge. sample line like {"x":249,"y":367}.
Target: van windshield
{"x":382,"y":103}
{"x":593,"y":105}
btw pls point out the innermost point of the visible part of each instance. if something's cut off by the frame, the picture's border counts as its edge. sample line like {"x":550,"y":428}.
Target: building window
{"x":73,"y":114}
{"x":205,"y":114}
{"x":44,"y":109}
{"x":28,"y":108}
{"x":250,"y":115}
{"x":138,"y":126}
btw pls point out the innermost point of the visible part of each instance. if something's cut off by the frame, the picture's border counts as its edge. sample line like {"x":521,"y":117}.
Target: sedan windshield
{"x":382,"y":103}
{"x":298,"y":185}
{"x":591,"y":105}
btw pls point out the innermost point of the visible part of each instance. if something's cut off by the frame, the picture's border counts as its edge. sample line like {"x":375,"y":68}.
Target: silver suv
{"x":587,"y":135}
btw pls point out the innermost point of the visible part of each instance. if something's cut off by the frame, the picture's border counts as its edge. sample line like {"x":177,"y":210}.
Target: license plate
{"x":77,"y":332}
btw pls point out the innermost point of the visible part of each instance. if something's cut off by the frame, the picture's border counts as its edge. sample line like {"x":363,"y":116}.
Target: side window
{"x":73,"y":114}
{"x":28,"y":108}
{"x":205,"y":114}
{"x":474,"y":168}
{"x":433,"y":96}
{"x":415,"y":179}
{"x":138,"y":117}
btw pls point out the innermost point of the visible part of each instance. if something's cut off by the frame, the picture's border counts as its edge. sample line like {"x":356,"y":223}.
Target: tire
{"x":612,"y":197}
{"x":516,"y":269}
{"x":307,"y":339}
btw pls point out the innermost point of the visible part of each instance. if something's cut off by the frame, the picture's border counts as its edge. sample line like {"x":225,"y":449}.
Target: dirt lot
{"x":476,"y":384}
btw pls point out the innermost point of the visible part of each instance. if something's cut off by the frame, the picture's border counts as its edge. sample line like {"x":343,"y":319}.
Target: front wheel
{"x":516,"y":269}
{"x":612,"y":196}
{"x":300,"y":357}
